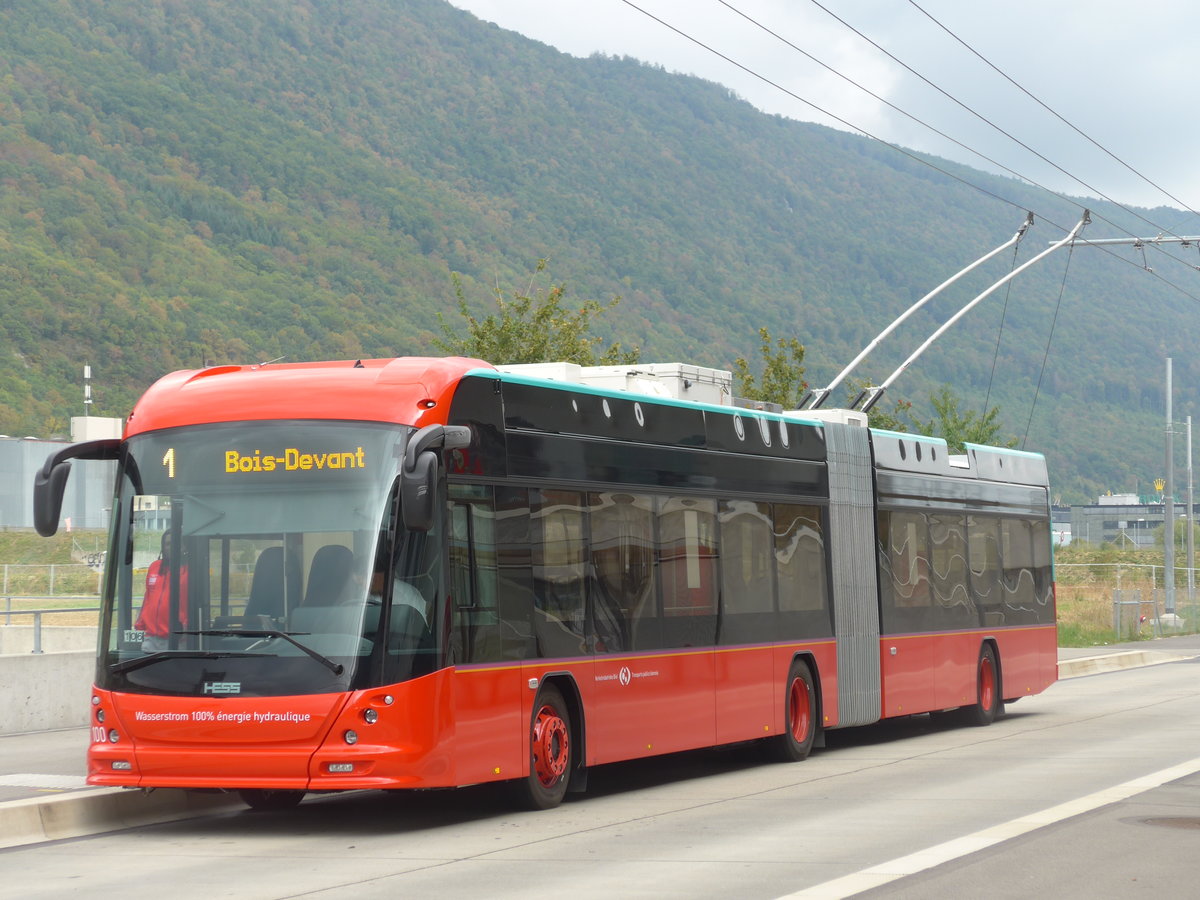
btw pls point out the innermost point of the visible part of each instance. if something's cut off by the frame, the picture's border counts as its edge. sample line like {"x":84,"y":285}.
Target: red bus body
{"x":468,"y":721}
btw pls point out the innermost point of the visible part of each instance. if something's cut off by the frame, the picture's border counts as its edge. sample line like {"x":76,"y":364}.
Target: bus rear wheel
{"x":266,"y":800}
{"x":987,"y":690}
{"x":800,"y":716}
{"x":551,"y":751}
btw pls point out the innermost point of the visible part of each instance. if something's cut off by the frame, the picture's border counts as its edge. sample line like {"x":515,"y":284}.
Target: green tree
{"x":1180,"y":533}
{"x":958,"y":427}
{"x":782,"y":378}
{"x":532,"y":326}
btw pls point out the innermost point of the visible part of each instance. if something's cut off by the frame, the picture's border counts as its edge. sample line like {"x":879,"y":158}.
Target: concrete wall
{"x":55,"y":638}
{"x":41,"y":691}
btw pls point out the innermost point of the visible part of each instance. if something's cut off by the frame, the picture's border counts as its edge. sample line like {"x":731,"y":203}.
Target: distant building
{"x":1121,"y":519}
{"x":1060,"y":525}
{"x":88,"y":499}
{"x":1120,"y":500}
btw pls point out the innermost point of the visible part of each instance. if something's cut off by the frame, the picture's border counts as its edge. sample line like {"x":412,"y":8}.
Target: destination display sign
{"x":293,"y":459}
{"x":252,"y":452}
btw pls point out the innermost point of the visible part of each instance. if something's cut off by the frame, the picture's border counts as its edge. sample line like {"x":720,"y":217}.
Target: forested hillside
{"x":189,"y":182}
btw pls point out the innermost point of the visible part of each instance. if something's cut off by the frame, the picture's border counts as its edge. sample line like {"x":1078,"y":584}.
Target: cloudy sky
{"x":1118,"y":72}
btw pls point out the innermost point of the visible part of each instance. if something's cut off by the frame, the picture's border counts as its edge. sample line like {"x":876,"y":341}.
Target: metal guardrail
{"x":37,"y":614}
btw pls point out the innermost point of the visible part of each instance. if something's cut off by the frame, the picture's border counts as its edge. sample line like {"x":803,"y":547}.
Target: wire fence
{"x":1141,"y":604}
{"x":50,"y":579}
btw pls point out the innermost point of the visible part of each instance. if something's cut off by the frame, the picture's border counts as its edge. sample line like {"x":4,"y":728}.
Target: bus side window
{"x":1043,"y":575}
{"x":905,"y":566}
{"x":953,"y":606}
{"x":747,"y":571}
{"x":624,"y":605}
{"x":559,"y":572}
{"x":687,"y":571}
{"x":983,"y":537}
{"x":747,"y":582}
{"x":800,"y":564}
{"x":1016,"y":558}
{"x":473,"y":575}
{"x":514,"y":572}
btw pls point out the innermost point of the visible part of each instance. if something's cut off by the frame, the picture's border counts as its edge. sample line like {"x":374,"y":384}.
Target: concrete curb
{"x":1111,"y":662}
{"x":95,"y":811}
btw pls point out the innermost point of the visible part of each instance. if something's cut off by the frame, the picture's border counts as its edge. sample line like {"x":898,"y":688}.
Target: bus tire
{"x":268,"y":800}
{"x":799,"y":716}
{"x":551,"y":750}
{"x":987,"y":689}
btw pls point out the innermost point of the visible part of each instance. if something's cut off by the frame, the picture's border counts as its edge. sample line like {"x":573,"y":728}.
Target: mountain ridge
{"x":204,"y":182}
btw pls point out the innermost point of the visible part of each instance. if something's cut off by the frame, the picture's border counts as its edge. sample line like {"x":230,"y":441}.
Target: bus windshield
{"x":253,"y":559}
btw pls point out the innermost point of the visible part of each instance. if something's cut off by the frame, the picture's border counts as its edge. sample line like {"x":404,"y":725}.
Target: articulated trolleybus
{"x":420,"y":573}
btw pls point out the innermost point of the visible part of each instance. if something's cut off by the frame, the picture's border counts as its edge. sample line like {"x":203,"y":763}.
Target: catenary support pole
{"x":1191,"y":525}
{"x":1169,"y":508}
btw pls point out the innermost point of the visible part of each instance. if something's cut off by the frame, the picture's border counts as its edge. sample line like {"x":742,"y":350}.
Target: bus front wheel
{"x":551,"y":750}
{"x":800,"y":716}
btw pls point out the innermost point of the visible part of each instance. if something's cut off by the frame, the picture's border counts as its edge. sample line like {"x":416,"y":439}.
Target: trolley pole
{"x":870,"y":396}
{"x":818,"y":397}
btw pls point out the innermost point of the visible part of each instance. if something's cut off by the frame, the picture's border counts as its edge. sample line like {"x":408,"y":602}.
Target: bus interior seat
{"x":267,"y":586}
{"x":269,"y":592}
{"x":328,"y":575}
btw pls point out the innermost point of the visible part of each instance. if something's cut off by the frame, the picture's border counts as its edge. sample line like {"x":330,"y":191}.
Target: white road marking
{"x":865,"y":879}
{"x":24,"y":779}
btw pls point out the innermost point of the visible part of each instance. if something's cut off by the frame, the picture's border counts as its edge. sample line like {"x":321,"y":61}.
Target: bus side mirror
{"x":48,"y":490}
{"x":419,"y":474}
{"x":50,"y":482}
{"x":418,"y":487}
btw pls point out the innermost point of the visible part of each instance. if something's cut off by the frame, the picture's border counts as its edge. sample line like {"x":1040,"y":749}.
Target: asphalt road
{"x":1087,"y":790}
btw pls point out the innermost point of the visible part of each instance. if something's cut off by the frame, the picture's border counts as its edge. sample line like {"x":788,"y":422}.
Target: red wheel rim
{"x":551,"y":747}
{"x":987,"y":683}
{"x":799,"y":710}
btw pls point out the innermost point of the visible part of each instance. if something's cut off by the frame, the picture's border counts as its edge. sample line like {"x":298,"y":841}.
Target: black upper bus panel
{"x":635,"y":418}
{"x":541,"y":430}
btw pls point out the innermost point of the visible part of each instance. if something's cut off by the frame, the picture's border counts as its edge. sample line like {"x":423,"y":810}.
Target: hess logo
{"x":222,"y":687}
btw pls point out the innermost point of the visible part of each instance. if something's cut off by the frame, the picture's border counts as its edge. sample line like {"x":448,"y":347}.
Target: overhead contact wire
{"x":1054,"y":113}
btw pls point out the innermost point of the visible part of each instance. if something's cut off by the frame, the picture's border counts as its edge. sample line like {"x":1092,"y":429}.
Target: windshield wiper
{"x":335,"y":668}
{"x":130,"y":664}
